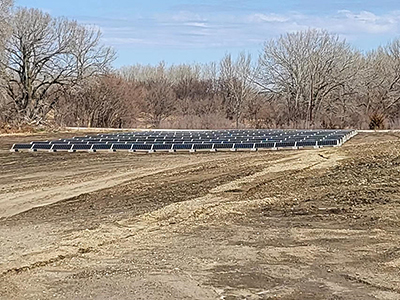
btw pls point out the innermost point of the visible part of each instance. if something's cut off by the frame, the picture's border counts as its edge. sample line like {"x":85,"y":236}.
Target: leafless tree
{"x":143,"y":73}
{"x":5,"y":14}
{"x":158,"y":102}
{"x":305,"y":68}
{"x":237,"y":78}
{"x":101,"y":101}
{"x":44,"y":54}
{"x":381,"y":98}
{"x":5,"y":30}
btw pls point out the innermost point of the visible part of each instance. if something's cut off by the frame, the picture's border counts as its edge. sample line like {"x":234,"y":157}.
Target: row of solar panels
{"x":210,"y":136}
{"x":171,"y":147}
{"x":207,"y":139}
{"x":207,"y":136}
{"x":221,"y":132}
{"x":216,"y":140}
{"x":168,"y":142}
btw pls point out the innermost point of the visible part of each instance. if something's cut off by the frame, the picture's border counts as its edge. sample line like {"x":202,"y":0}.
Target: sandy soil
{"x":309,"y":224}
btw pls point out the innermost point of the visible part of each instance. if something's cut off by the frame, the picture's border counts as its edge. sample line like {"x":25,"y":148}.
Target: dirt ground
{"x":298,"y":224}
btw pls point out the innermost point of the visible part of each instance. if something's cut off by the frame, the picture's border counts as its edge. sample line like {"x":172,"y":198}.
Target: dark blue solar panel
{"x":61,"y":147}
{"x":141,"y":147}
{"x":306,"y":143}
{"x":285,"y":144}
{"x":223,"y":146}
{"x":162,"y":147}
{"x":81,"y":147}
{"x":122,"y":146}
{"x":40,"y":142}
{"x":109,"y":140}
{"x":244,"y":146}
{"x":22,"y":146}
{"x":79,"y":143}
{"x":265,"y":145}
{"x":101,"y":146}
{"x":42,"y":146}
{"x":327,"y":143}
{"x":183,"y":146}
{"x":203,"y":146}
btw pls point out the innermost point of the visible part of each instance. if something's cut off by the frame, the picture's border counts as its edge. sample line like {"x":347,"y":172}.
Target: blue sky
{"x":183,"y":31}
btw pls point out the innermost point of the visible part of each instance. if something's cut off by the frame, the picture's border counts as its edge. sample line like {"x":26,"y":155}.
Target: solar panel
{"x":265,"y":145}
{"x":38,"y":146}
{"x":61,"y":147}
{"x":101,"y":146}
{"x":17,"y":147}
{"x":306,"y":143}
{"x":122,"y":146}
{"x":139,"y":147}
{"x":205,"y":146}
{"x":77,"y":147}
{"x":223,"y":146}
{"x":183,"y":146}
{"x":328,"y":143}
{"x":40,"y":142}
{"x":161,"y":147}
{"x":244,"y":146}
{"x":285,"y":144}
{"x":211,"y":140}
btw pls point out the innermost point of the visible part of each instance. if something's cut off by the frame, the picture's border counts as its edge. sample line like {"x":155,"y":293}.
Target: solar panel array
{"x":207,"y":140}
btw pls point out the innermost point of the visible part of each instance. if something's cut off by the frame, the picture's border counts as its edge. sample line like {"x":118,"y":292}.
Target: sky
{"x":183,"y":31}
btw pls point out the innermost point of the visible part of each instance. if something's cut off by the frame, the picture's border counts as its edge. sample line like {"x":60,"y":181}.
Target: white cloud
{"x":196,"y":24}
{"x":368,"y":22}
{"x":363,"y":16}
{"x":273,"y":18}
{"x":189,"y":30}
{"x":343,"y":22}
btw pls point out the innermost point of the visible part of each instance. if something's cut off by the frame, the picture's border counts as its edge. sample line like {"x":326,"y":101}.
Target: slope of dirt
{"x":310,"y":224}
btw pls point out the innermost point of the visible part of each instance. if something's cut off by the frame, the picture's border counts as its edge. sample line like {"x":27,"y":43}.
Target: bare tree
{"x":159,"y":101}
{"x":101,"y":101}
{"x":237,"y":78}
{"x":5,"y":30}
{"x":5,"y":14}
{"x":143,"y":73}
{"x":5,"y":27}
{"x":381,"y":97}
{"x":305,"y":68}
{"x":44,"y":54}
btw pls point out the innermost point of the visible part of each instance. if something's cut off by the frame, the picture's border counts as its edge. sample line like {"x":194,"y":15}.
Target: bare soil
{"x":304,"y":224}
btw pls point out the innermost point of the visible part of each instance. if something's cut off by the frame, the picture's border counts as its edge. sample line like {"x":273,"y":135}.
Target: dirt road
{"x":310,"y":224}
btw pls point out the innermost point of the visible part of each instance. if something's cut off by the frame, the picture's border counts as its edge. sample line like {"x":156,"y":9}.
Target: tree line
{"x":57,"y":71}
